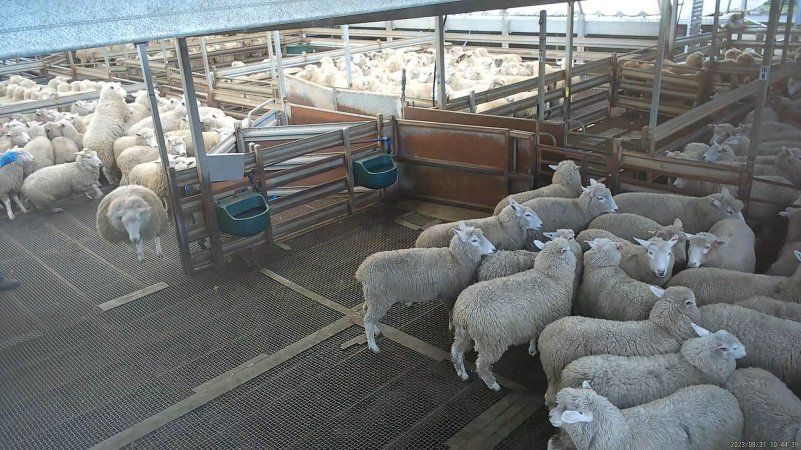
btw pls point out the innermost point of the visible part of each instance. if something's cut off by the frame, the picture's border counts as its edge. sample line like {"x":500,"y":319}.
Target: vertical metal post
{"x":348,"y":169}
{"x":164,"y":51}
{"x":762,"y":95}
{"x":541,"y":76}
{"x":797,"y":18}
{"x":193,"y":118}
{"x":271,"y":55}
{"x":209,"y":76}
{"x":174,"y":199}
{"x":581,"y":33}
{"x":280,"y":63}
{"x":439,"y":31}
{"x":389,"y":28}
{"x":715,"y":26}
{"x":664,"y":22}
{"x":72,"y":65}
{"x":674,"y":24}
{"x":787,"y":28}
{"x":505,"y":28}
{"x":568,"y":62}
{"x":346,"y":42}
{"x":108,"y":63}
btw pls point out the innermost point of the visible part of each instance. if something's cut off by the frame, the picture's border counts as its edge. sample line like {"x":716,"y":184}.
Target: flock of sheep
{"x":466,"y":70}
{"x":61,"y":153}
{"x":640,"y":321}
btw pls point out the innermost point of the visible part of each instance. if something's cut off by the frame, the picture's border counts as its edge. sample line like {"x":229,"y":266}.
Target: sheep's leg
{"x":532,"y":345}
{"x":7,"y":203}
{"x":462,"y":343}
{"x":98,"y":192}
{"x":88,"y":195}
{"x":484,"y":364}
{"x":373,"y":314}
{"x":140,"y":254}
{"x":110,"y":176}
{"x":21,"y":207}
{"x":159,"y":253}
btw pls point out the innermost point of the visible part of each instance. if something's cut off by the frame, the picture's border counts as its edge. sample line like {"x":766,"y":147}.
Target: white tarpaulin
{"x":629,"y":8}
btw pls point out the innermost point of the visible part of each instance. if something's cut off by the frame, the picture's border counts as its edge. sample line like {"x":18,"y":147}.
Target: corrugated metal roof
{"x":47,"y":26}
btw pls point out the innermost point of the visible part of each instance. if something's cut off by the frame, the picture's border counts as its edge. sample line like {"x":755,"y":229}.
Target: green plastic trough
{"x":298,"y":49}
{"x":243,"y":215}
{"x":377,"y":171}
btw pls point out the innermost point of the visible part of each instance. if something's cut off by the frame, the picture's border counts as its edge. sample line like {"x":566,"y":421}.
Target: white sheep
{"x":696,"y":213}
{"x":82,"y":107}
{"x":566,"y":183}
{"x":509,"y":262}
{"x":145,"y":136}
{"x":677,"y":422}
{"x":419,"y":275}
{"x":629,"y":380}
{"x":11,"y":179}
{"x":512,"y":310}
{"x":649,"y":261}
{"x":772,"y":412}
{"x":50,"y":184}
{"x":210,"y":139}
{"x":629,"y":226}
{"x":729,"y":244}
{"x":506,"y":231}
{"x":713,"y":285}
{"x":64,"y":150}
{"x":70,"y":131}
{"x":16,"y":137}
{"x":170,"y":120}
{"x":786,"y":262}
{"x":132,"y":214}
{"x":42,"y":150}
{"x":106,"y":126}
{"x":773,"y":307}
{"x":773,"y":344}
{"x":152,"y":175}
{"x":569,"y":338}
{"x":574,"y":213}
{"x":793,"y":215}
{"x":138,"y":154}
{"x":607,"y":291}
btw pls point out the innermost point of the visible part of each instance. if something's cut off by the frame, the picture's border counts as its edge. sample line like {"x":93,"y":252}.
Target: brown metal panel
{"x":484,"y":147}
{"x":304,"y":115}
{"x":436,"y":183}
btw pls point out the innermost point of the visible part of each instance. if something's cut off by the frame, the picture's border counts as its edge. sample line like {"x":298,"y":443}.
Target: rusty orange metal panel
{"x":484,"y":147}
{"x":305,"y":115}
{"x":436,"y":183}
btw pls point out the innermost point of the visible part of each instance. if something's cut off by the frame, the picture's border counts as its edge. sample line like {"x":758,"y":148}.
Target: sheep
{"x":723,"y":131}
{"x":68,"y":130}
{"x":16,"y":137}
{"x":35,"y":130}
{"x":11,"y":179}
{"x":170,"y":120}
{"x":768,"y":114}
{"x":786,"y":262}
{"x":145,"y":136}
{"x":773,"y":307}
{"x":696,"y":213}
{"x":64,"y":150}
{"x":50,"y":184}
{"x":570,"y":338}
{"x":713,"y":285}
{"x":566,"y":183}
{"x":419,"y":274}
{"x":512,"y":310}
{"x":42,"y":150}
{"x":82,"y":107}
{"x":629,"y":226}
{"x":773,"y":344}
{"x":152,"y":176}
{"x":772,"y":412}
{"x":574,"y":213}
{"x":677,"y":422}
{"x":629,"y":381}
{"x":793,"y":215}
{"x":729,"y":244}
{"x":138,"y":154}
{"x":788,"y":164}
{"x":132,"y":214}
{"x":608,"y":292}
{"x":786,"y":108}
{"x":506,"y":231}
{"x":649,"y":261}
{"x":106,"y":126}
{"x":210,"y":139}
{"x":692,"y":151}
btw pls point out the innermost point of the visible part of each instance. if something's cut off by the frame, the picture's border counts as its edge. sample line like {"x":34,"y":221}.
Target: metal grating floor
{"x":73,"y":375}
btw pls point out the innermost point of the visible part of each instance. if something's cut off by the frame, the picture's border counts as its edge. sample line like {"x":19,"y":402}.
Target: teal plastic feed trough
{"x":297,"y":49}
{"x":243,"y":215}
{"x":375,"y":172}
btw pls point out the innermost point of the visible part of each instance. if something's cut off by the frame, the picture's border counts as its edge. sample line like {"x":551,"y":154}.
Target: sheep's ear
{"x":549,"y":234}
{"x":591,"y":243}
{"x":540,"y":245}
{"x":677,"y":223}
{"x":570,"y":416}
{"x":553,"y":166}
{"x":513,"y":203}
{"x":586,"y":385}
{"x":578,"y":167}
{"x":712,"y":125}
{"x":587,"y":190}
{"x":642,"y":242}
{"x":797,"y":254}
{"x":715,"y":202}
{"x":719,"y":242}
{"x":784,"y":213}
{"x":688,"y":235}
{"x":462,"y":225}
{"x":722,"y":347}
{"x":593,"y":182}
{"x":700,"y":331}
{"x":724,"y":190}
{"x":460,"y":233}
{"x":619,"y":246}
{"x":658,"y":291}
{"x":674,"y":239}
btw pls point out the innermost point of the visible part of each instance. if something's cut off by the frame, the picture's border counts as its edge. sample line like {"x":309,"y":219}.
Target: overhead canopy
{"x":38,"y":28}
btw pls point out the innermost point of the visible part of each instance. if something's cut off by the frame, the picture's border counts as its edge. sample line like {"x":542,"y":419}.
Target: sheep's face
{"x":148,"y":136}
{"x":604,"y":252}
{"x":718,"y":152}
{"x":574,"y":406}
{"x":112,"y":90}
{"x":90,"y":158}
{"x":475,"y":238}
{"x":721,"y":132}
{"x":566,"y":172}
{"x":728,"y":346}
{"x":526,"y":217}
{"x":726,"y":206}
{"x":666,"y":233}
{"x":130,"y":219}
{"x":701,"y":246}
{"x":659,"y":254}
{"x":600,"y":198}
{"x":177,"y":146}
{"x":18,"y":137}
{"x":676,"y":298}
{"x":790,"y":159}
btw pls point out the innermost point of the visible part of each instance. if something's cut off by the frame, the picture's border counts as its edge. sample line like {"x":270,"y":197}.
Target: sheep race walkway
{"x":265,"y":355}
